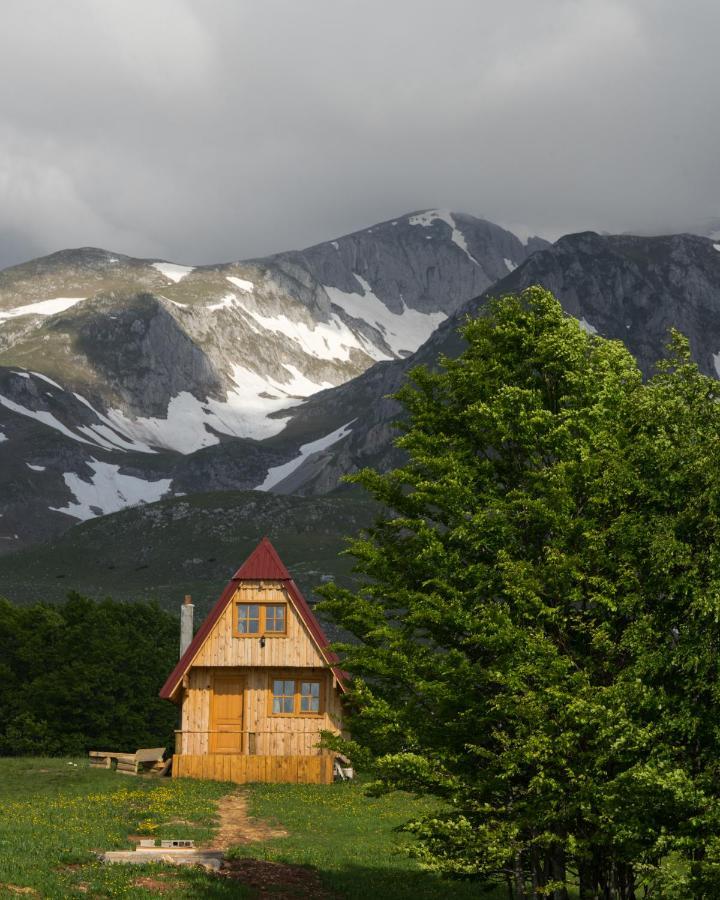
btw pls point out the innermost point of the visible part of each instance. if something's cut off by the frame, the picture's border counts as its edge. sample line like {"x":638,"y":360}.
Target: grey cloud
{"x":205,"y":130}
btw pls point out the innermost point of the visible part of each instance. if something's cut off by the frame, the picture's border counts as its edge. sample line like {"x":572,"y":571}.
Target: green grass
{"x":352,"y":840}
{"x":54,"y":815}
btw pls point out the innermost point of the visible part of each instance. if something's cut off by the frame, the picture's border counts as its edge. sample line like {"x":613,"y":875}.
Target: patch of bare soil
{"x":277,"y":880}
{"x":17,"y":889}
{"x":237,"y":827}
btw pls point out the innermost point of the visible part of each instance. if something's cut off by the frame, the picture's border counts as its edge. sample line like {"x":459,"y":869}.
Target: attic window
{"x":260,"y":619}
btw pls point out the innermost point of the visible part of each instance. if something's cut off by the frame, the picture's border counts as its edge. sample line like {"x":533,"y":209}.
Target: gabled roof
{"x":262,"y":564}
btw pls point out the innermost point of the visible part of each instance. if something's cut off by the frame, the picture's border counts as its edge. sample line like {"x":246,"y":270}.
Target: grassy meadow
{"x":55,"y":814}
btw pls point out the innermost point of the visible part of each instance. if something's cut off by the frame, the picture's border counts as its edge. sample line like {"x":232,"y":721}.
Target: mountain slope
{"x":123,"y":380}
{"x":188,"y":545}
{"x":628,"y":288}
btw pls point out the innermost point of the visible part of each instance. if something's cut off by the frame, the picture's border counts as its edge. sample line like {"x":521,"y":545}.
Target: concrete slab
{"x":211,"y":859}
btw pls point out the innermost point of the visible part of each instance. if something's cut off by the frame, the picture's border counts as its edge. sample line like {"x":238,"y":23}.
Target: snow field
{"x":109,"y":491}
{"x":41,"y":308}
{"x":278,"y":473}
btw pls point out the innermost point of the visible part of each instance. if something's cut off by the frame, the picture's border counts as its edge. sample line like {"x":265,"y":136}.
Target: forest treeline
{"x":85,"y":675}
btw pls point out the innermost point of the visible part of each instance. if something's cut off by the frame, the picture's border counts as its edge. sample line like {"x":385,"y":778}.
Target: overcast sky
{"x":209,"y":130}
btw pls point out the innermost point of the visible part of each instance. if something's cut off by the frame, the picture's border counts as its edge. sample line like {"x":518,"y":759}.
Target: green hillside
{"x":189,"y":545}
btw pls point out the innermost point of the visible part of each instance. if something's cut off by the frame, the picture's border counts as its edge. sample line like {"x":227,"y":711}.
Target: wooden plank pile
{"x":146,"y":760}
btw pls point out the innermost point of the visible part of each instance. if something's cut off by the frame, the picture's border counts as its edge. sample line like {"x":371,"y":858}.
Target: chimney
{"x":186,"y":623}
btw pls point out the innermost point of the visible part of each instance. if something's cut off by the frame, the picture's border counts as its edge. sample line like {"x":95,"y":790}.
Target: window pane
{"x":248,"y":618}
{"x":310,"y":696}
{"x":283,"y":696}
{"x":275,"y":618}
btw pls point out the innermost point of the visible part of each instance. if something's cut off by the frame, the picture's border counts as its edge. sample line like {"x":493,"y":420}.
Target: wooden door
{"x":227,"y":713}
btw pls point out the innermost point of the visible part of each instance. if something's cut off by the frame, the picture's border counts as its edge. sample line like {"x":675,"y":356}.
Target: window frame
{"x":297,"y":695}
{"x":262,"y":620}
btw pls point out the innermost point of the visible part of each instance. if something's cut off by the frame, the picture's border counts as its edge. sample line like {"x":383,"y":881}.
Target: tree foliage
{"x":538,"y":626}
{"x":84,"y":675}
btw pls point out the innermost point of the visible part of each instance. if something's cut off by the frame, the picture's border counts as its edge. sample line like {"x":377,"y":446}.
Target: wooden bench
{"x":146,"y":760}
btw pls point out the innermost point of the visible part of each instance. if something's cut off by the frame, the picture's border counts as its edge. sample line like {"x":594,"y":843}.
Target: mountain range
{"x":126,"y":381}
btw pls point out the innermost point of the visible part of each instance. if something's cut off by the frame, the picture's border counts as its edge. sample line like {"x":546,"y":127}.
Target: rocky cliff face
{"x":124,"y":380}
{"x":632,"y":289}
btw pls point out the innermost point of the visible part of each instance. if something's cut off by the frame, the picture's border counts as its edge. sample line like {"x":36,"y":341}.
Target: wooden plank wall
{"x":245,"y":769}
{"x":296,"y":648}
{"x":264,"y":734}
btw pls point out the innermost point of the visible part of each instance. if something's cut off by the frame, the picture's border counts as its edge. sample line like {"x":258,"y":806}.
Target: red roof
{"x":263,"y":563}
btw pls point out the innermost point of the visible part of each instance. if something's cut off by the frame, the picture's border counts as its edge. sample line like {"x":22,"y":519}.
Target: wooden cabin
{"x":257,"y":684}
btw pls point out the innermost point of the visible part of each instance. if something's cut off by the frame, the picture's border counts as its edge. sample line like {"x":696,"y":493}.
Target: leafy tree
{"x":84,"y":675}
{"x":537,"y":632}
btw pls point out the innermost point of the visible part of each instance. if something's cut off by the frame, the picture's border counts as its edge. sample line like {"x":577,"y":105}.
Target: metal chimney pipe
{"x":187,"y":611}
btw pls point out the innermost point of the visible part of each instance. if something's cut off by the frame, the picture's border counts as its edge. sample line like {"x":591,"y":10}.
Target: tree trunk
{"x":519,"y":877}
{"x":586,"y":883}
{"x":559,"y":874}
{"x":535,"y":872}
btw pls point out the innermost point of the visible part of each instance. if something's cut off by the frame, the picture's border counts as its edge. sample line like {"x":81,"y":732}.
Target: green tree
{"x":538,"y":626}
{"x":84,"y":675}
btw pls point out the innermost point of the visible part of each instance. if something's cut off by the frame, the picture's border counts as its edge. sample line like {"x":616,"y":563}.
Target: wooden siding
{"x":222,"y":648}
{"x":244,"y":769}
{"x":263,"y":734}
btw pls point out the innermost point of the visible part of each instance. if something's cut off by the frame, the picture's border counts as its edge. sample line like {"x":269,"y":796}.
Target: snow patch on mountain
{"x":276,"y":474}
{"x":41,"y":308}
{"x":300,"y":387}
{"x":511,"y":266}
{"x":716,"y":363}
{"x":109,"y":491}
{"x":49,"y":380}
{"x":331,"y":340}
{"x":3,"y":437}
{"x":191,"y":424}
{"x":173,"y":271}
{"x":716,"y":246}
{"x":35,"y":468}
{"x":43,"y":416}
{"x":106,"y":433}
{"x":426,"y":219}
{"x":225,"y":302}
{"x":247,"y":286}
{"x":586,"y":326}
{"x":326,"y":340}
{"x":403,"y":332}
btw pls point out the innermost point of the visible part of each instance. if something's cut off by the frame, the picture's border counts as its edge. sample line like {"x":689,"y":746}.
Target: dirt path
{"x":283,"y":881}
{"x":236,"y":825}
